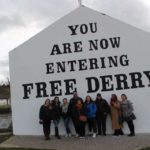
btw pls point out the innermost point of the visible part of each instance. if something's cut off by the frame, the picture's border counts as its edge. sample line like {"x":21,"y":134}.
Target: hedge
{"x":4,"y":109}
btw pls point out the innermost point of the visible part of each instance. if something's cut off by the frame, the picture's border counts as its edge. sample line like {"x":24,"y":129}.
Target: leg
{"x":82,"y":129}
{"x":56,"y":122}
{"x":66,"y":122}
{"x":46,"y":128}
{"x":98,"y":120}
{"x":89,"y":124}
{"x":121,"y":132}
{"x":78,"y":129}
{"x":131,"y":127}
{"x":104,"y":125}
{"x":75,"y":125}
{"x":93,"y":123}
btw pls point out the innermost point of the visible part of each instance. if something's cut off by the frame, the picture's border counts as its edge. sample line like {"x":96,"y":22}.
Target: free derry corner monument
{"x":85,"y":51}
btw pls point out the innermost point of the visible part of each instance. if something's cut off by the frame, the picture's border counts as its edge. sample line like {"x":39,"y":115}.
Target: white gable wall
{"x":27,"y":65}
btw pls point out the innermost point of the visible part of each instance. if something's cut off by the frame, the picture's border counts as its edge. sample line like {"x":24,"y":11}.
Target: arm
{"x":94,"y":108}
{"x":41,"y":113}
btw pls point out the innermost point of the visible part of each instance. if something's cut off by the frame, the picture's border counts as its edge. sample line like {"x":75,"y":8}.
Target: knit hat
{"x":98,"y":94}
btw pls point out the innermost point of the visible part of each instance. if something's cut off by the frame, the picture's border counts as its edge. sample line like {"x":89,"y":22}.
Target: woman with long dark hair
{"x":90,"y":109}
{"x":45,"y":118}
{"x":80,"y":118}
{"x":56,"y":107}
{"x":115,"y":115}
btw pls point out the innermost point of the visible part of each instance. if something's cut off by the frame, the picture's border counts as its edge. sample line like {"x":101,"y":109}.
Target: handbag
{"x":40,"y":122}
{"x":131,"y":117}
{"x":83,"y":118}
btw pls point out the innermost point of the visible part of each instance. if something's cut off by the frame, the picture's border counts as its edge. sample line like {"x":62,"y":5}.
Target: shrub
{"x":4,"y":109}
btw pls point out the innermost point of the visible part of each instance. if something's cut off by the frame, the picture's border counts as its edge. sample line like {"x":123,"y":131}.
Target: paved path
{"x":99,"y":143}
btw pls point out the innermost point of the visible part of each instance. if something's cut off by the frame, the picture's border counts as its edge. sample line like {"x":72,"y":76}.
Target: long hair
{"x":47,"y":100}
{"x":56,"y":101}
{"x":113,"y":99}
{"x":90,"y":99}
{"x":124,"y":96}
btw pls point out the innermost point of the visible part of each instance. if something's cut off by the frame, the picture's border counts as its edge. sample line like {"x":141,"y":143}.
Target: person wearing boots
{"x":128,"y":115}
{"x":115,"y":114}
{"x":71,"y":109}
{"x":101,"y":114}
{"x":56,"y":115}
{"x":45,"y":118}
{"x":80,"y":118}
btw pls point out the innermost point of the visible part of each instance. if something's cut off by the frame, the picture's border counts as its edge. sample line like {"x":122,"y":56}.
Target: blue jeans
{"x":66,"y":123}
{"x":56,"y":122}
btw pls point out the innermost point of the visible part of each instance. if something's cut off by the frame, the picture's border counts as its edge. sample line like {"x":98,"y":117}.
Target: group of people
{"x":91,"y":112}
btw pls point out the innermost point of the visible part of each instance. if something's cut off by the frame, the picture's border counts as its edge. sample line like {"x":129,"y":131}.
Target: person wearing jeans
{"x":56,"y":115}
{"x":90,"y":108}
{"x":66,"y":117}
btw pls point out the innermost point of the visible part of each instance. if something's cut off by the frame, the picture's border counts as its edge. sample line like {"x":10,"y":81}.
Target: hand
{"x":41,"y":122}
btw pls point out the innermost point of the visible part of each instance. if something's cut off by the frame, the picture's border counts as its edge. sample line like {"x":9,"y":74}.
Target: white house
{"x":85,"y":51}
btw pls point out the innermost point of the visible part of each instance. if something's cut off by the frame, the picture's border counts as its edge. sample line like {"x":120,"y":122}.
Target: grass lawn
{"x":4,"y":138}
{"x":4,"y":106}
{"x":5,"y":109}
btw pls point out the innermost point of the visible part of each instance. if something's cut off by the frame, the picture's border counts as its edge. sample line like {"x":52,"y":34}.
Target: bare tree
{"x":5,"y":91}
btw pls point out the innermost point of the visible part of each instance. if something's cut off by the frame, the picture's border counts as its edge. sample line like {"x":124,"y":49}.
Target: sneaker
{"x":69,"y":135}
{"x":90,"y":134}
{"x":131,"y":134}
{"x":58,"y":137}
{"x":82,"y":137}
{"x":77,"y":135}
{"x":104,"y":134}
{"x":115,"y":135}
{"x":66,"y":135}
{"x":94,"y":135}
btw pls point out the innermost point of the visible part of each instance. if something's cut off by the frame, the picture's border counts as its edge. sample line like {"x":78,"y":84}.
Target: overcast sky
{"x":22,"y":19}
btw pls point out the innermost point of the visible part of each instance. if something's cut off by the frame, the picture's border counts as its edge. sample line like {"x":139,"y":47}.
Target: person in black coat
{"x":72,"y":108}
{"x":45,"y":118}
{"x":56,"y":114}
{"x":79,"y":114}
{"x":102,"y":110}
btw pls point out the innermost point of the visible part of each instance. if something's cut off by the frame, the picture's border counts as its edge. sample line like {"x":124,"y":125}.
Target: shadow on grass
{"x":4,"y":138}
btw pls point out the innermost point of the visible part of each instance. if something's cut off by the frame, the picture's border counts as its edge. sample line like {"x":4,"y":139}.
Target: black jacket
{"x":102,"y":108}
{"x":72,"y":105}
{"x":45,"y":113}
{"x":77,"y":113}
{"x":56,"y":112}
